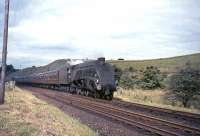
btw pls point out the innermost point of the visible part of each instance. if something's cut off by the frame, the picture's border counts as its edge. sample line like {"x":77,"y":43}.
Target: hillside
{"x":165,"y":64}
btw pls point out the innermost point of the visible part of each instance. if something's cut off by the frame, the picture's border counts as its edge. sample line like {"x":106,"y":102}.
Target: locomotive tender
{"x":91,"y":78}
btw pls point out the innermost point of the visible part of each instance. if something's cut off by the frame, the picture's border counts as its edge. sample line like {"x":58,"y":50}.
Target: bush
{"x":152,"y":78}
{"x":185,"y":84}
{"x":128,"y":81}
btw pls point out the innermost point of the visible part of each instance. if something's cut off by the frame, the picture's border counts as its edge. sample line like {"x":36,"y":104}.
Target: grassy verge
{"x":25,"y":115}
{"x":158,"y":98}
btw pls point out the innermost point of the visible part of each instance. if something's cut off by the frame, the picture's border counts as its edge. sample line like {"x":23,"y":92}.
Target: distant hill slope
{"x":165,"y":64}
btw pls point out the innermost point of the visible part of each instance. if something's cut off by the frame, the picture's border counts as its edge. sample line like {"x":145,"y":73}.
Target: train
{"x":94,"y":78}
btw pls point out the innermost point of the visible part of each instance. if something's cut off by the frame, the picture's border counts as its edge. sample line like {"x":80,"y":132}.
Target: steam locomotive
{"x":91,"y":78}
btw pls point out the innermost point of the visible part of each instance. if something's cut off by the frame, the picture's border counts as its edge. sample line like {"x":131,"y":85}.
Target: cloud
{"x":130,"y":29}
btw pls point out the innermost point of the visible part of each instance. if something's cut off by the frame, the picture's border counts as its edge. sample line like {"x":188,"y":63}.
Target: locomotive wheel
{"x":103,"y":96}
{"x":73,"y":90}
{"x":97,"y":95}
{"x":78,"y":91}
{"x":109,"y":96}
{"x":91,"y":84}
{"x":86,"y":93}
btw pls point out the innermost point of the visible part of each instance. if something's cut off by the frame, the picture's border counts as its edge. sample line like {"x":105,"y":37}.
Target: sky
{"x":41,"y":31}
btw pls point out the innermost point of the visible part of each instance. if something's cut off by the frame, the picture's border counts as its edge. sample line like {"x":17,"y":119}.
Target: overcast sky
{"x":41,"y":31}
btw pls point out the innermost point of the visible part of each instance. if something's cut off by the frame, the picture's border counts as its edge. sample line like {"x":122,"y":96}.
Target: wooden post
{"x":4,"y":52}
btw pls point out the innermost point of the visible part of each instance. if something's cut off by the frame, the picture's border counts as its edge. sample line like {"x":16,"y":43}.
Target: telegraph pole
{"x":4,"y":52}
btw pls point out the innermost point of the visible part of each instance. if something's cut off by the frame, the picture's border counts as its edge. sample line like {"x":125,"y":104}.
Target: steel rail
{"x":170,"y":111}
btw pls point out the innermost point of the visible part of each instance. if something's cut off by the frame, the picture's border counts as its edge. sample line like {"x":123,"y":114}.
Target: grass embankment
{"x":25,"y":115}
{"x":158,"y":98}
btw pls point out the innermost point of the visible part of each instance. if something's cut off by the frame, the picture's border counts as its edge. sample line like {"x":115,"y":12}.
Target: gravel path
{"x":103,"y":125}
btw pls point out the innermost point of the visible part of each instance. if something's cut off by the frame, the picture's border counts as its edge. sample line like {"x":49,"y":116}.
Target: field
{"x":167,"y":65}
{"x":25,"y":115}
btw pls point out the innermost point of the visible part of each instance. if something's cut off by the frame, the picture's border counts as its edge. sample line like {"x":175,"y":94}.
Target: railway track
{"x":186,"y":118}
{"x":151,"y":124}
{"x":181,"y":114}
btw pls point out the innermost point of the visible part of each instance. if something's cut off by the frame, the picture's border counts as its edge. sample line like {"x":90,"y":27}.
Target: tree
{"x":151,"y":78}
{"x":9,"y":69}
{"x":185,"y":84}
